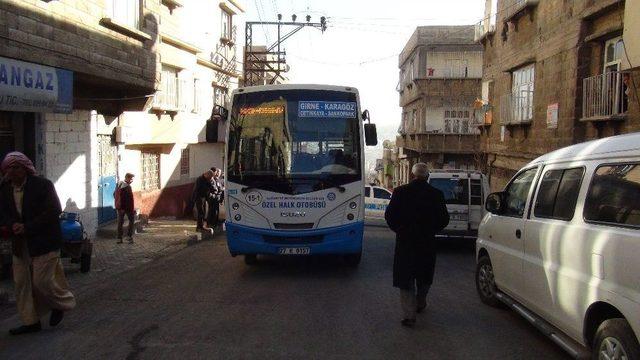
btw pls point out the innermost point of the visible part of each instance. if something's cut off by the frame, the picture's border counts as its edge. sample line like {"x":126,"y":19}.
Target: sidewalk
{"x":160,"y":237}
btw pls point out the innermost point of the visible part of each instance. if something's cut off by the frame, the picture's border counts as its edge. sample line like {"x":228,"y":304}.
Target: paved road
{"x":201,"y":303}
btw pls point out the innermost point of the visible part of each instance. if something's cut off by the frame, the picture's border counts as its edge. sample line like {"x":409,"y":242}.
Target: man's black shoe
{"x":56,"y":317}
{"x":26,"y":329}
{"x":408,"y":322}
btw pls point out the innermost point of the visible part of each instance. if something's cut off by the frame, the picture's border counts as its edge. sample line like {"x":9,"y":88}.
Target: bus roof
{"x":258,"y":88}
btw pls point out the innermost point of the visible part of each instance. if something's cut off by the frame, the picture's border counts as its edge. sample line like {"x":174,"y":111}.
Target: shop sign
{"x":32,"y":87}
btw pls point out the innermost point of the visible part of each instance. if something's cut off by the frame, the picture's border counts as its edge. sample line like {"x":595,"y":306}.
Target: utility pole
{"x":257,"y":64}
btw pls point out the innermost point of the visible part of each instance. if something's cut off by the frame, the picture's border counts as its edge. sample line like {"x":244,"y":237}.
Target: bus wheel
{"x":250,"y":259}
{"x":353,"y":259}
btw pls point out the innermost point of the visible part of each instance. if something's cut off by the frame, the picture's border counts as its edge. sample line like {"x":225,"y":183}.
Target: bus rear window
{"x":455,"y":191}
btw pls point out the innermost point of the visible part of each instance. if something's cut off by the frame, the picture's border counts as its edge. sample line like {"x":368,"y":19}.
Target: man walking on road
{"x":416,"y":213}
{"x":125,"y":207}
{"x":214,"y":199}
{"x":32,"y":212}
{"x":201,"y":192}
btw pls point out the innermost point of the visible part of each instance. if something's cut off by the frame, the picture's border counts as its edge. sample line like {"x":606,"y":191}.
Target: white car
{"x":464,"y":192}
{"x":376,"y":200}
{"x":561,"y":246}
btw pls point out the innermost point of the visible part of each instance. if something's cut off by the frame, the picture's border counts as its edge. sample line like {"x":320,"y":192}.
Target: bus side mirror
{"x":365,"y":115}
{"x":220,"y":111}
{"x":370,"y":135}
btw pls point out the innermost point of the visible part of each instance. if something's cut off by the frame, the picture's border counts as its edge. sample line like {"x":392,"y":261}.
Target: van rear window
{"x":455,"y":191}
{"x":614,"y":195}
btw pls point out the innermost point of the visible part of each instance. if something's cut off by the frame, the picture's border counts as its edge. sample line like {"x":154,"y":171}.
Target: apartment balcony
{"x":604,"y":97}
{"x":439,"y":143}
{"x":483,"y":29}
{"x":514,"y":9}
{"x":516,"y":108}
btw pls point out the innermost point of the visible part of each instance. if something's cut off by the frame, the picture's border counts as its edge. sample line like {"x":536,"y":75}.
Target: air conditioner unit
{"x":121,"y":134}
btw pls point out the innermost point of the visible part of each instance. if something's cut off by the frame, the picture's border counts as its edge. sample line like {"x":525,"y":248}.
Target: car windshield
{"x":294,"y":141}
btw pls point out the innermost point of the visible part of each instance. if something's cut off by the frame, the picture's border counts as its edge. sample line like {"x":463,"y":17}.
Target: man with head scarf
{"x":31,"y":211}
{"x":416,"y":213}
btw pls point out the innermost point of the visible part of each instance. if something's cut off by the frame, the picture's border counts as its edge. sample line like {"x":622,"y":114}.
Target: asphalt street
{"x":202,"y":303}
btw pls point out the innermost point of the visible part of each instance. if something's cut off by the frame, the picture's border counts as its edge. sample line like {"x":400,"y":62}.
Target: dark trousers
{"x":414,"y":298}
{"x":214,"y":212}
{"x":201,"y":210}
{"x":131,"y":217}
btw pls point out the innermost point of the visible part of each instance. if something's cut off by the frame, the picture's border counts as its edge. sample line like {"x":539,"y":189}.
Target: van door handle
{"x":518,"y":233}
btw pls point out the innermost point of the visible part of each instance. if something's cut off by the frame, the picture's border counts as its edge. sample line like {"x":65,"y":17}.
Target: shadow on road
{"x":318,"y":266}
{"x":456,"y":245}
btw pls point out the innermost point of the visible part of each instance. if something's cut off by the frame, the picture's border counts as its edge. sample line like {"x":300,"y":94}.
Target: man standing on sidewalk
{"x":214,"y":199}
{"x":125,"y":207}
{"x":416,"y":213}
{"x":32,"y":212}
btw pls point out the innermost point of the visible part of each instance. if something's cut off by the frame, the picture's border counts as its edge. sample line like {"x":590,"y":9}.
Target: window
{"x":367,"y":191}
{"x":613,"y":52}
{"x":455,"y":190}
{"x":225,"y":23}
{"x":219,"y":96}
{"x":522,"y":88}
{"x":167,"y":96}
{"x":196,"y":93}
{"x":381,"y":194}
{"x":125,"y":12}
{"x":476,"y":192}
{"x":150,"y":170}
{"x":184,"y":162}
{"x":614,"y":195}
{"x":457,"y":121}
{"x":558,"y":194}
{"x":517,"y":193}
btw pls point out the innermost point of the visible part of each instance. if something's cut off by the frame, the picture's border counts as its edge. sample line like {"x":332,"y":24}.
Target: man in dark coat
{"x":201,"y":191}
{"x":214,"y":199}
{"x":125,"y":207}
{"x":31,"y":211}
{"x":416,"y":213}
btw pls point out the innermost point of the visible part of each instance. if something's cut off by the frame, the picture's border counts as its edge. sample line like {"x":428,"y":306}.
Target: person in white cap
{"x":416,"y":213}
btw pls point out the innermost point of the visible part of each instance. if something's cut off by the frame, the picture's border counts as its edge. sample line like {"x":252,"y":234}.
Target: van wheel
{"x":85,"y":262}
{"x":485,"y":282}
{"x":615,"y":340}
{"x":353,"y":259}
{"x":251,"y":259}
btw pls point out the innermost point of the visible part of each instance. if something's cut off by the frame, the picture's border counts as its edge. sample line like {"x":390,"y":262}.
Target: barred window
{"x":150,"y":170}
{"x":184,"y":162}
{"x":126,"y":12}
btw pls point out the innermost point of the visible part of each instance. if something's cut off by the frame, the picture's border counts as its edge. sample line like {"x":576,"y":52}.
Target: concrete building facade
{"x":112,"y":58}
{"x":555,"y":73}
{"x":439,"y":80}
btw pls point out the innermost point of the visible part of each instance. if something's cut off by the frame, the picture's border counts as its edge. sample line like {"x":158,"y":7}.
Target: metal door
{"x":107,"y":177}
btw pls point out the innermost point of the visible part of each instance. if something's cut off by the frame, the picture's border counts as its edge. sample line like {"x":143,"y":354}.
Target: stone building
{"x":555,"y":73}
{"x":440,"y":78}
{"x":84,"y":87}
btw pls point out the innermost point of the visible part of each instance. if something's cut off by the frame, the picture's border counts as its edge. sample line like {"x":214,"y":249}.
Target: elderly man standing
{"x":201,"y":192}
{"x":32,"y":211}
{"x":416,"y":213}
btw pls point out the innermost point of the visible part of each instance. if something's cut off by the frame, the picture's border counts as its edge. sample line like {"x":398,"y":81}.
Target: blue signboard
{"x":326,"y":109}
{"x":32,"y":87}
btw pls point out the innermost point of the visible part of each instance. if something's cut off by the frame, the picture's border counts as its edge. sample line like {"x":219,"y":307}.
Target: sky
{"x":360,"y":47}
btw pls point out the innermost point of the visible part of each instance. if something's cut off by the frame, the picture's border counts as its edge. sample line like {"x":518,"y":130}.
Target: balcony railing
{"x":603,"y":96}
{"x":513,"y":8}
{"x":516,"y":108}
{"x":482,"y":29}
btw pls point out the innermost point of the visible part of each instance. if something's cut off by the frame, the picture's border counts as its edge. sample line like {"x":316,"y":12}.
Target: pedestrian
{"x":214,"y":199}
{"x":125,"y":207}
{"x":201,"y":192}
{"x":416,"y":213}
{"x":32,"y":212}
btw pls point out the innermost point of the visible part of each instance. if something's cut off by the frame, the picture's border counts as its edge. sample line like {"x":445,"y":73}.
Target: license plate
{"x":459,"y":217}
{"x":294,"y":251}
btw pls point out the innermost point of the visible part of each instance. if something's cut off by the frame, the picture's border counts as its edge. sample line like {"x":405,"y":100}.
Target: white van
{"x":561,"y":246}
{"x":376,"y":200}
{"x":464,"y":192}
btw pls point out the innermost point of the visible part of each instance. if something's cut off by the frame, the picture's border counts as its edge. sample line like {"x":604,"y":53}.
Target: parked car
{"x":464,"y":192}
{"x":560,"y":245}
{"x":376,"y":200}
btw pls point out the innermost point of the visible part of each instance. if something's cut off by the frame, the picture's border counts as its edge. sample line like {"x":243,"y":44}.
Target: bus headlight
{"x":237,"y":217}
{"x":235,"y":206}
{"x":353,"y":205}
{"x":350,"y":217}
